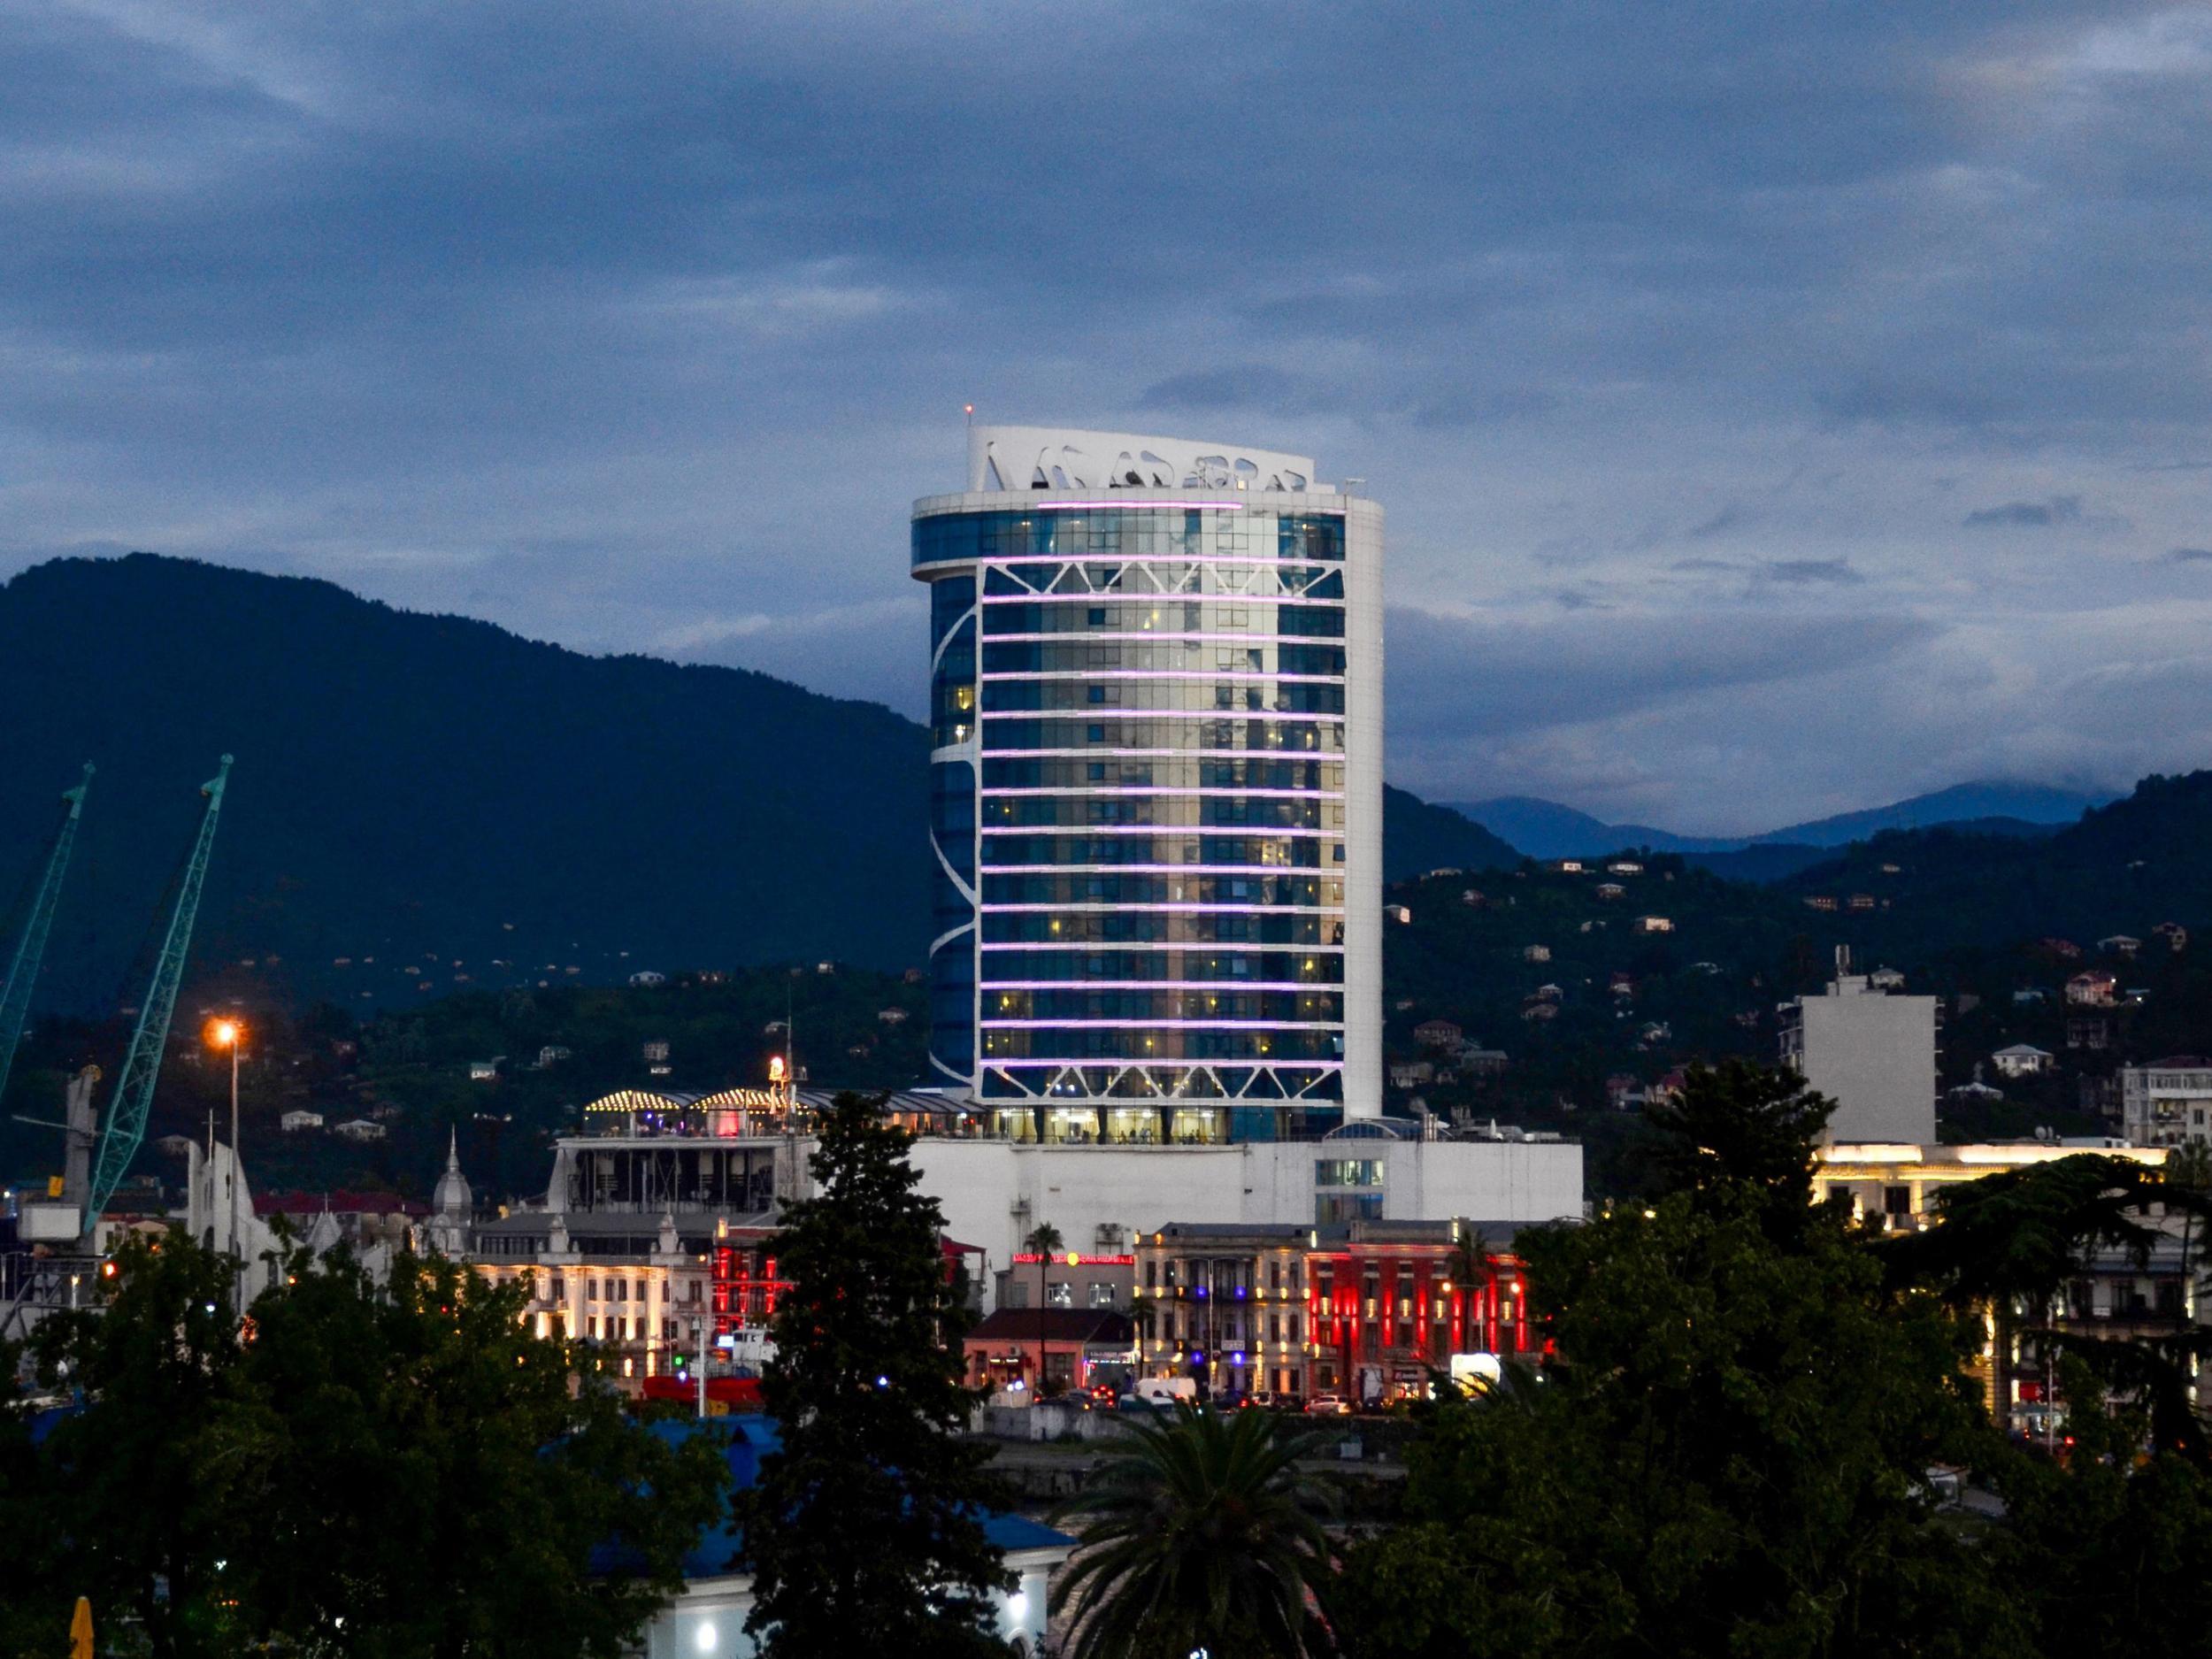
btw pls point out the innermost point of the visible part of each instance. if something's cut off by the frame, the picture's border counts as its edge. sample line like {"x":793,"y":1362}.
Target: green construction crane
{"x":141,"y":1063}
{"x":15,"y":991}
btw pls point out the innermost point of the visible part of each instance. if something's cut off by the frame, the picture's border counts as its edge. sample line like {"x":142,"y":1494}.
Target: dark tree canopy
{"x":865,"y":1533}
{"x":381,"y":1471}
{"x":1726,"y":1453}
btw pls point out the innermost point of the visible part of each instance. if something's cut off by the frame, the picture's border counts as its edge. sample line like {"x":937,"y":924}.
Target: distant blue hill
{"x":1545,"y":829}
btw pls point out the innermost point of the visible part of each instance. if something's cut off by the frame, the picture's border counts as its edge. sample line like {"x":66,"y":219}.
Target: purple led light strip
{"x":1089,"y":908}
{"x":1013,"y":1063}
{"x":1250,"y":832}
{"x":1162,"y":1025}
{"x":1306,"y":872}
{"x":1306,"y":757}
{"x":1314,"y":988}
{"x":1100,"y":789}
{"x":1241,"y":675}
{"x":1157,"y":944}
{"x":1117,"y":712}
{"x":1162,"y":636}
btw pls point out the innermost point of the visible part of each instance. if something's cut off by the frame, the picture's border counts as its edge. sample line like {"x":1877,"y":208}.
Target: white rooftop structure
{"x":1068,"y":458}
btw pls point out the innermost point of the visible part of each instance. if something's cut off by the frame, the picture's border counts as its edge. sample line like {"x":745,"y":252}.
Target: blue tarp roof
{"x":747,"y":1437}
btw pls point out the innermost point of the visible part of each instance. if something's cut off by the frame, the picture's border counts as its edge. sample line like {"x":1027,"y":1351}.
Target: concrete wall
{"x":1876,"y":1054}
{"x":1362,"y":808}
{"x":993,"y":1192}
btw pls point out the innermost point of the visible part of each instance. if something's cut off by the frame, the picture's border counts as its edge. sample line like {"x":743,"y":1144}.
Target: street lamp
{"x":228,"y":1034}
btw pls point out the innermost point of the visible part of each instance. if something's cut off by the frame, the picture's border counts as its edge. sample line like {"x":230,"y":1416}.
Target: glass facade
{"x":1138,"y":803}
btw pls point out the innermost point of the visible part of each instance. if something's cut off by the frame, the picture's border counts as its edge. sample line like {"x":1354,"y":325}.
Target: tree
{"x":1202,"y":1533}
{"x":2009,"y":1241}
{"x":379,"y":1471}
{"x":2113,"y":1558}
{"x":1727,"y":1453}
{"x":865,"y":1532}
{"x":1043,"y":1242}
{"x":411,"y":1472}
{"x":1747,"y":1128}
{"x":143,"y":1527}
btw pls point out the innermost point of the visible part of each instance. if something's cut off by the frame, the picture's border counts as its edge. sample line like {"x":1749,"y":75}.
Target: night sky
{"x":1780,"y":408}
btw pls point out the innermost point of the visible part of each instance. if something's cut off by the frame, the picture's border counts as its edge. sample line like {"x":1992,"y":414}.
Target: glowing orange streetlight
{"x":230,"y":1034}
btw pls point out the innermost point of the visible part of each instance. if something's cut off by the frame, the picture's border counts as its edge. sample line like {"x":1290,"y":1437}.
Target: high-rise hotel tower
{"x":1156,"y":786}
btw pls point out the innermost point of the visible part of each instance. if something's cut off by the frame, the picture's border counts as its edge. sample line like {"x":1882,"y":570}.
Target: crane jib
{"x":128,"y":1109}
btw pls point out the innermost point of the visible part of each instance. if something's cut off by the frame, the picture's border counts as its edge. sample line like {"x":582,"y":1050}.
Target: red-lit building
{"x":1389,"y":1301}
{"x":1363,"y":1308}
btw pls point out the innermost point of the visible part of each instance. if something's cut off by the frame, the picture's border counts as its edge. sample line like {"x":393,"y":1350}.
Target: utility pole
{"x":698,"y":1342}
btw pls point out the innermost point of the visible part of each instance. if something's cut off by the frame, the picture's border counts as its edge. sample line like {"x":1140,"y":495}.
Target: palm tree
{"x":1043,"y":1242}
{"x":1199,"y":1532}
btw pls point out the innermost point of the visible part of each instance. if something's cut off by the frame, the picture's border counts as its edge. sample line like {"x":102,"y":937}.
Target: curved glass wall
{"x":1138,"y":804}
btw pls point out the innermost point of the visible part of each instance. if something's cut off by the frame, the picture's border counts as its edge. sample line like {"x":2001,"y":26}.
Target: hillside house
{"x":2031,"y":996}
{"x":553,"y":1054}
{"x":1654,"y":1032}
{"x":2123,"y":945}
{"x":2174,"y":934}
{"x":2092,"y":990}
{"x":1411,"y":1073}
{"x":1438,"y":1033}
{"x":645,"y":977}
{"x":1625,"y":867}
{"x":1569,"y":867}
{"x":483,"y":1071}
{"x":1886,"y":980}
{"x":1540,"y":1011}
{"x":299,"y":1121}
{"x":2022,"y":1060}
{"x":2090,"y":1032}
{"x":1548,"y":993}
{"x":1861,"y":901}
{"x":1399,"y":913}
{"x":1535,"y":953}
{"x":2062,"y":947}
{"x":1611,"y":890}
{"x":1819,"y":901}
{"x":1668,"y":1088}
{"x":1472,"y":898}
{"x":1621,"y":984}
{"x":891,"y":1016}
{"x":360,"y":1129}
{"x":1474,"y":1062}
{"x":1620,"y":1088}
{"x":1654,"y":924}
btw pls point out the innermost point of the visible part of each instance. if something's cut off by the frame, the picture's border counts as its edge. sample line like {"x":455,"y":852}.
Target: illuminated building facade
{"x":1365,"y":1309}
{"x":1155,"y":787}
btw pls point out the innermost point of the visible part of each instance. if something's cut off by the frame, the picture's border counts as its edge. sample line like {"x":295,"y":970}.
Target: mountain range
{"x":1545,"y":829}
{"x":425,"y":803}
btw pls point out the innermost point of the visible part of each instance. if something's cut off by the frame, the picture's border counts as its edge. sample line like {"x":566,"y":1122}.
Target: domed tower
{"x":451,"y":1204}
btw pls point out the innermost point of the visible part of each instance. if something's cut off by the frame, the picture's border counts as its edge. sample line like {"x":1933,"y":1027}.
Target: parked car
{"x":1328,"y":1406}
{"x":1162,"y":1390}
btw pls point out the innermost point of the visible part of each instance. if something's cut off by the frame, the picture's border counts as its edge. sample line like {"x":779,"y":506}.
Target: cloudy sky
{"x":1780,"y":408}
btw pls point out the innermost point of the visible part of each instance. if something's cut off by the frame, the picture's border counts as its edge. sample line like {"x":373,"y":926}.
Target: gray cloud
{"x":643,"y":337}
{"x":1800,"y":573}
{"x":2189,"y":556}
{"x":2029,"y":514}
